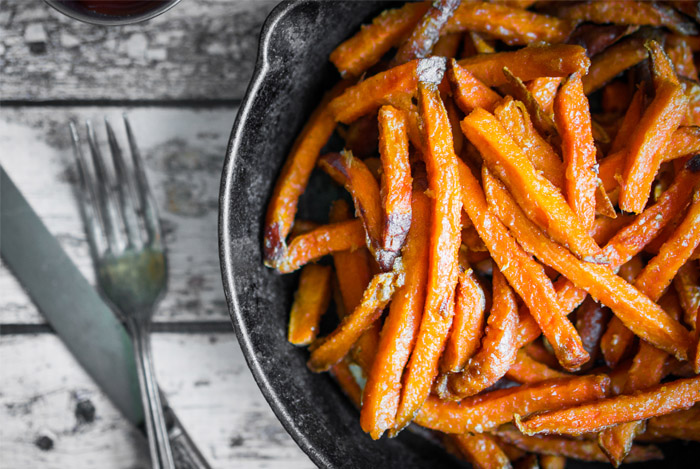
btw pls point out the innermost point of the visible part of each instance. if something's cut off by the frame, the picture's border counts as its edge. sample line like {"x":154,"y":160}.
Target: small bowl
{"x":142,"y":11}
{"x":290,"y":75}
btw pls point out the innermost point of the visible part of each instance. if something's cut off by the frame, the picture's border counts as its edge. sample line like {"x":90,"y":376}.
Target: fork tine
{"x":125,"y":190}
{"x":87,"y":198}
{"x":107,"y":206}
{"x":149,"y":211}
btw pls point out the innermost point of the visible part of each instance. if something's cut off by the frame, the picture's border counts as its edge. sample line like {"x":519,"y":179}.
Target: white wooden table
{"x":180,"y":79}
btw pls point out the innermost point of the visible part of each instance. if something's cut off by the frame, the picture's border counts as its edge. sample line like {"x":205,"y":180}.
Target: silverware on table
{"x":78,"y":315}
{"x":124,"y":233}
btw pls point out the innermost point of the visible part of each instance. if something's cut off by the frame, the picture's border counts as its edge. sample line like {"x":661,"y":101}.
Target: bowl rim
{"x":104,"y":20}
{"x":262,"y":67}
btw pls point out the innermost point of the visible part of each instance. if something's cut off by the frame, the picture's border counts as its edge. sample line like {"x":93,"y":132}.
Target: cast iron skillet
{"x":290,"y":75}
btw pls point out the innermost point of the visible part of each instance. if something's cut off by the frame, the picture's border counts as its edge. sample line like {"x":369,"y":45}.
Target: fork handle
{"x":158,"y":442}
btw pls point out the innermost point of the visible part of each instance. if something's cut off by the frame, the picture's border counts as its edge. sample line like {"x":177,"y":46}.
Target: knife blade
{"x":80,"y":317}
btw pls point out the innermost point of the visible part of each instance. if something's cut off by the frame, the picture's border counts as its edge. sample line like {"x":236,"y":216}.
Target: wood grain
{"x":204,"y":377}
{"x":199,"y":50}
{"x":184,"y":152}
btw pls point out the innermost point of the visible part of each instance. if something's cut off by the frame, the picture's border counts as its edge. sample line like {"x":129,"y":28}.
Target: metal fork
{"x":124,"y":234}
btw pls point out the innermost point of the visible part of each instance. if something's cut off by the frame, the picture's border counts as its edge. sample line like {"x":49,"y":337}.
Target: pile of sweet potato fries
{"x":519,"y":273}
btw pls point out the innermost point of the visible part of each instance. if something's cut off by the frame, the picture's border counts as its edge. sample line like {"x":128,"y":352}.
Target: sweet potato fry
{"x":388,"y":87}
{"x":525,"y":275}
{"x":544,"y":89}
{"x":325,"y":239}
{"x":527,"y":370}
{"x":650,"y":137}
{"x":513,"y":26}
{"x":515,"y":118}
{"x":596,"y":416}
{"x":541,"y":200}
{"x":687,"y":284}
{"x":605,"y":228}
{"x":329,"y":350}
{"x":629,"y":122}
{"x":480,"y":44}
{"x":467,"y":326}
{"x":353,"y":272}
{"x":661,"y":270}
{"x":642,"y":316}
{"x":395,"y":181}
{"x":383,"y":387}
{"x":427,"y":32}
{"x":367,"y":47}
{"x":585,"y":450}
{"x":359,"y":181}
{"x":294,"y":176}
{"x":613,"y":60}
{"x":629,"y":12}
{"x":531,"y":62}
{"x":692,"y":91}
{"x":595,"y":38}
{"x":541,"y":120}
{"x":443,"y":182}
{"x":681,"y":424}
{"x":617,"y":96}
{"x":538,"y":351}
{"x":573,"y":120}
{"x":497,"y":352}
{"x":470,"y":93}
{"x":311,"y":300}
{"x":684,"y":141}
{"x":482,"y":451}
{"x":489,"y":410}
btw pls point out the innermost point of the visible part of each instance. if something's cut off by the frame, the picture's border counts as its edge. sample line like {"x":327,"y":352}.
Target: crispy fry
{"x":515,"y":119}
{"x":427,"y":32}
{"x":489,"y":410}
{"x":310,"y":302}
{"x":482,"y":451}
{"x":629,"y":12}
{"x":659,"y":272}
{"x":643,"y":317}
{"x":395,"y":181}
{"x":443,"y":182}
{"x":329,"y":350}
{"x":467,"y":326}
{"x":469,"y":92}
{"x":595,"y":38}
{"x":526,"y":370}
{"x":598,"y":415}
{"x":544,"y":89}
{"x":573,"y":120}
{"x":497,"y":352}
{"x":629,"y":122}
{"x":687,"y":284}
{"x":613,"y":60}
{"x":541,"y":200}
{"x":511,"y":25}
{"x":585,"y":450}
{"x":383,"y":387}
{"x":692,"y":90}
{"x":325,"y":239}
{"x":294,"y":176}
{"x":531,"y":62}
{"x":359,"y":181}
{"x":542,"y":121}
{"x":367,"y":47}
{"x":659,"y":121}
{"x":361,"y":137}
{"x":684,"y":424}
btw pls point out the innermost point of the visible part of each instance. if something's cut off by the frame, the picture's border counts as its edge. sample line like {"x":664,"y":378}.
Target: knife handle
{"x":185,"y":452}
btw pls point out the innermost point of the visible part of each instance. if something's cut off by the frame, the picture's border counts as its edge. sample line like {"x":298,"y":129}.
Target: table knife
{"x":77,"y":313}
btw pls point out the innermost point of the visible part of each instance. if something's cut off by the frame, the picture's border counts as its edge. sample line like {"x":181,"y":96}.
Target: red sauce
{"x":115,"y":7}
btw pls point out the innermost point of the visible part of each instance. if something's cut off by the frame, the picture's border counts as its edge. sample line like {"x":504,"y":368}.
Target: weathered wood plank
{"x":201,"y":49}
{"x":204,"y":376}
{"x":184,"y":152}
